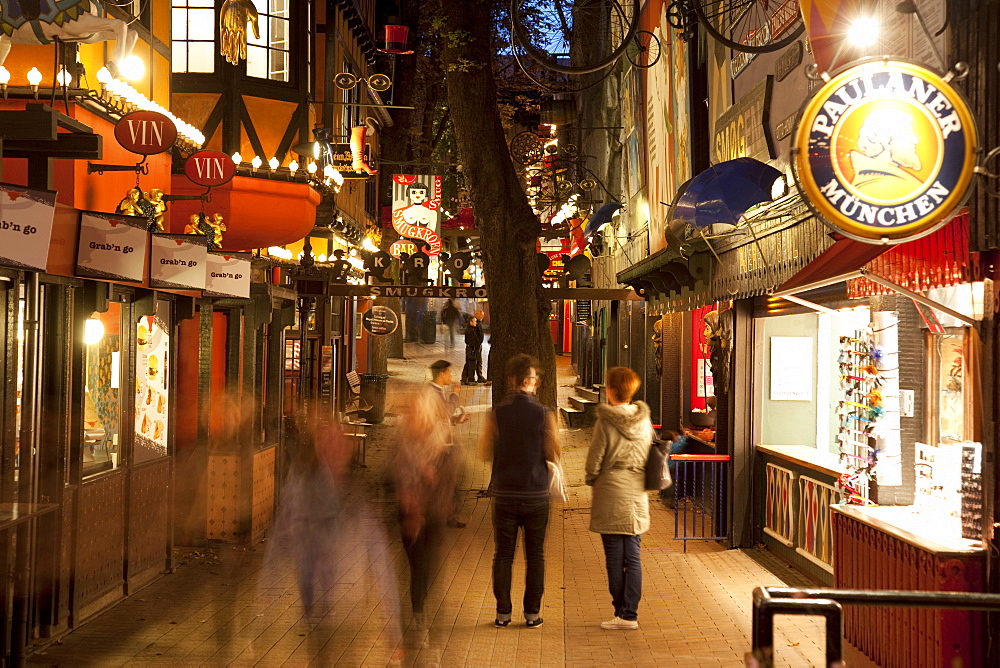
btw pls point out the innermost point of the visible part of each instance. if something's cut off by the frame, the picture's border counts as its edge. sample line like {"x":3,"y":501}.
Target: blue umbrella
{"x":723,"y":192}
{"x":600,"y":218}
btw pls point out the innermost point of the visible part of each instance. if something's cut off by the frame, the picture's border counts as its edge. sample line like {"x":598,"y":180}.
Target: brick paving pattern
{"x":241,"y":607}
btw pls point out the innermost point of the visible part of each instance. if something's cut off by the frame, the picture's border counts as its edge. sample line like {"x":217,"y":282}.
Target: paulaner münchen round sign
{"x":885,"y":151}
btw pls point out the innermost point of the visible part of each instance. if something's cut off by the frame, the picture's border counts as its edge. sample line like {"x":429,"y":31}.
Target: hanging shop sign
{"x":380,"y":320}
{"x":112,"y":247}
{"x":228,"y":275}
{"x":178,"y":261}
{"x":342,"y":159}
{"x":789,"y":60}
{"x":145,"y":132}
{"x":885,"y":151}
{"x":416,"y":208}
{"x":742,"y":131}
{"x":25,"y":226}
{"x":209,"y":168}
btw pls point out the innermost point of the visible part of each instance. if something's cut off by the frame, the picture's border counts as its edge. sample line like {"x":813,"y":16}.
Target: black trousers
{"x":508,"y":516}
{"x":422,"y":552}
{"x":473,"y":369}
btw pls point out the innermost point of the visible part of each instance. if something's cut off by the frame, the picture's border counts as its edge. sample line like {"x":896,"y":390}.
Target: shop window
{"x":102,"y":395}
{"x":152,"y":345}
{"x":193,"y":36}
{"x":268,"y":55}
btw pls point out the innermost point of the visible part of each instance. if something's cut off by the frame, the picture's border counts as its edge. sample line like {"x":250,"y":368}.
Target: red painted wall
{"x":699,"y":351}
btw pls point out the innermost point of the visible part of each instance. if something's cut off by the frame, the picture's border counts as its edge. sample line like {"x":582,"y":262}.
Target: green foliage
{"x":464,"y":66}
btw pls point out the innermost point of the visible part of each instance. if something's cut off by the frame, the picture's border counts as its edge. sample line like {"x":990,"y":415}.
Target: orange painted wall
{"x":188,"y":404}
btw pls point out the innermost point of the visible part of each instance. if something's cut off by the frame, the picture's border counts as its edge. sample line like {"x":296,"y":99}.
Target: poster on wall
{"x":25,"y":226}
{"x":152,"y":341}
{"x":706,"y":381}
{"x":228,"y":275}
{"x":416,"y":208}
{"x":178,"y":261}
{"x":112,"y":246}
{"x":791,"y":368}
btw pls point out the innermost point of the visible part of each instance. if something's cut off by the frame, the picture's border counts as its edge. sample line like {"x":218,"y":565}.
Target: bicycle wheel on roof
{"x":574,"y":36}
{"x":751,"y":26}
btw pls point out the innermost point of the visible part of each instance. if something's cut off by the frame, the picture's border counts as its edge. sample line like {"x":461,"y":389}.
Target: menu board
{"x":228,"y":275}
{"x":178,"y":261}
{"x":380,"y":320}
{"x":152,"y":340}
{"x":25,"y":226}
{"x":112,"y":246}
{"x":792,"y":368}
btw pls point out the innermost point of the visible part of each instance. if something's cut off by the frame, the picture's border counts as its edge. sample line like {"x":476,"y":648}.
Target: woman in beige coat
{"x":620,"y":507}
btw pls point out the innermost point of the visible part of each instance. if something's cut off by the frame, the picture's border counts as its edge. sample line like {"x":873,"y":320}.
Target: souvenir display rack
{"x":859,"y":408}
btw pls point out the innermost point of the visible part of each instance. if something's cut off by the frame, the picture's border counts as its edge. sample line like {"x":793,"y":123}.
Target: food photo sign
{"x":151,"y":396}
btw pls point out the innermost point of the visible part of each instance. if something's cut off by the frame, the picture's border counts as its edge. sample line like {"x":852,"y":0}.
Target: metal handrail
{"x":771,"y":601}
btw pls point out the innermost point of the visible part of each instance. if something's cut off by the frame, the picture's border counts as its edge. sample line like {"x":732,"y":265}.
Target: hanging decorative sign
{"x":112,"y":247}
{"x":380,"y":320}
{"x":378,"y":263}
{"x":145,"y":132}
{"x":178,"y":261}
{"x":228,"y":275}
{"x":209,"y":168}
{"x":416,"y":206}
{"x":342,"y":158}
{"x":885,"y":151}
{"x":25,"y":226}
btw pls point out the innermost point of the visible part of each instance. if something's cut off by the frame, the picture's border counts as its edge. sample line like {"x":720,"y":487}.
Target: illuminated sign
{"x":145,"y":132}
{"x":885,"y":151}
{"x":742,"y":130}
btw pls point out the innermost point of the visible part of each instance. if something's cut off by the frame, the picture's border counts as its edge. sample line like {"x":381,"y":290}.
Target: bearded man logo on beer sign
{"x":885,"y":152}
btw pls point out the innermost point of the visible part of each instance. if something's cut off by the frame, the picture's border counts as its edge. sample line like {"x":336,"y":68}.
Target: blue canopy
{"x":723,"y":192}
{"x":602,"y":216}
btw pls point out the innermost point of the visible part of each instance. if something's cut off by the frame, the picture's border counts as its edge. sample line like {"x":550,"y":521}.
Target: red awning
{"x":843,"y":257}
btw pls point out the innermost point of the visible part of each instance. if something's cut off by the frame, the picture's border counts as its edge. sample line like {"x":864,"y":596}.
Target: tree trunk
{"x":519,"y":310}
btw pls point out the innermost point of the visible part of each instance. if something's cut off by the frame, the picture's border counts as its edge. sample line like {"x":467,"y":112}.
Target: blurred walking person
{"x":423,"y":473}
{"x":308,"y":521}
{"x":519,"y":437}
{"x":450,"y":316}
{"x":616,"y":464}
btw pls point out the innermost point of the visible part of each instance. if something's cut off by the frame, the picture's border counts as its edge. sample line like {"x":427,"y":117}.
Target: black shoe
{"x":501,"y":623}
{"x":534,"y":623}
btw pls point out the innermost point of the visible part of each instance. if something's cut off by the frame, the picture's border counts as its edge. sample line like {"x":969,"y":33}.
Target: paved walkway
{"x":241,"y":607}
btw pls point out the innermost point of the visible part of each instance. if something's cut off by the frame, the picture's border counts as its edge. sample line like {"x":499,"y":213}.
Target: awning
{"x":600,"y":218}
{"x":665,"y":273}
{"x":844,"y":256}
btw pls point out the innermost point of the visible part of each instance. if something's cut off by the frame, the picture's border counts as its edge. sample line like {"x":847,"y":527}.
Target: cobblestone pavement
{"x":241,"y":607}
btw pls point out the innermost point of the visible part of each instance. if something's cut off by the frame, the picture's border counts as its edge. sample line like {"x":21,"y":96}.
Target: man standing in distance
{"x":520,"y":436}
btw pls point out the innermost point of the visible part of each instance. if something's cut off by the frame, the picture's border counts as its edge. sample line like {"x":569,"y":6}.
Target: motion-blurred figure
{"x":423,"y":472}
{"x":310,"y":512}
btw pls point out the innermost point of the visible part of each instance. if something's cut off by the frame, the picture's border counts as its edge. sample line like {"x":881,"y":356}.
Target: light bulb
{"x":104,"y":76}
{"x":273,"y":163}
{"x":863,"y":32}
{"x":369,"y":245}
{"x":237,"y":158}
{"x":328,"y":171}
{"x":321,"y":257}
{"x":311,"y":168}
{"x":34,"y":77}
{"x":293,"y":166}
{"x":256,"y":162}
{"x":4,"y":75}
{"x":63,"y":78}
{"x":133,"y":68}
{"x":93,"y":331}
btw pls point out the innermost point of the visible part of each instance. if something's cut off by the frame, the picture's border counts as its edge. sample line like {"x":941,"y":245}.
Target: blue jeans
{"x":507,"y":517}
{"x":621,"y":554}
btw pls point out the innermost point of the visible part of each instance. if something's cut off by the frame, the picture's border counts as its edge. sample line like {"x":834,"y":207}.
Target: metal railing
{"x":700,"y":497}
{"x":827,"y":603}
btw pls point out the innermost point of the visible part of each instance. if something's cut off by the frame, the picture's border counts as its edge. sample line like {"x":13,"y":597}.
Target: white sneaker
{"x":619,"y":623}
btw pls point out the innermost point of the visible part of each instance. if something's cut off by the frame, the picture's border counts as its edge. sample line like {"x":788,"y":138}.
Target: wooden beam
{"x":34,"y":124}
{"x":67,"y":146}
{"x":449,"y":291}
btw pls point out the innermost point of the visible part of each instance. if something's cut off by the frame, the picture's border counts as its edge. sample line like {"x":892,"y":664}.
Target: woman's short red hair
{"x":623,"y":383}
